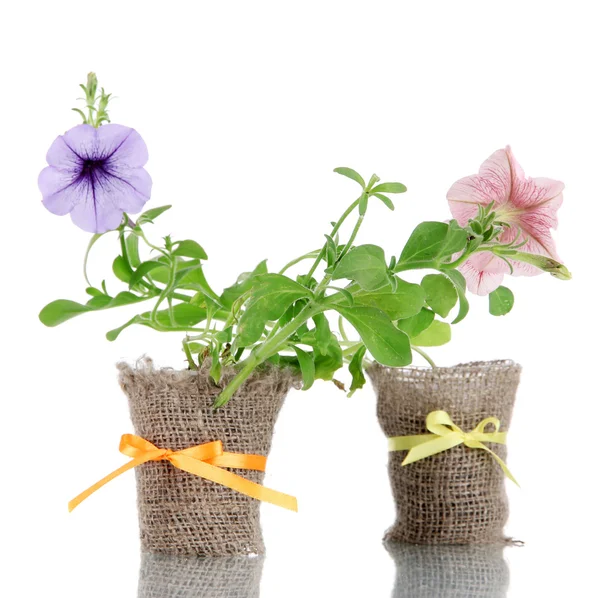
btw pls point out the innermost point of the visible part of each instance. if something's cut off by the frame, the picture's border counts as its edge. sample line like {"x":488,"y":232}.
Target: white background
{"x":246,"y":108}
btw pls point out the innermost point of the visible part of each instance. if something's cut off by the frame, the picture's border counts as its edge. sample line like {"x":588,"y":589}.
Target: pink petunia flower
{"x":96,"y":174}
{"x":527,"y":205}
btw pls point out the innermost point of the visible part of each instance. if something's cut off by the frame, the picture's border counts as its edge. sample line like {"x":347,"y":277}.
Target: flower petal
{"x":75,"y":146}
{"x":68,"y":151}
{"x":126,"y":188}
{"x":484,"y":272}
{"x":94,"y":216}
{"x":492,"y":184}
{"x":122,"y":145}
{"x":54,"y":184}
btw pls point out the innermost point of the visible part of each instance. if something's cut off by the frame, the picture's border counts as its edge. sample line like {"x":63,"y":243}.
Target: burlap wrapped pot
{"x":168,"y":576}
{"x":180,"y":513}
{"x":457,"y":496}
{"x":473,"y":571}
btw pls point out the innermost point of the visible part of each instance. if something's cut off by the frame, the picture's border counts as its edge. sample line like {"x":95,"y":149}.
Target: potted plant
{"x":447,"y":489}
{"x":202,"y":434}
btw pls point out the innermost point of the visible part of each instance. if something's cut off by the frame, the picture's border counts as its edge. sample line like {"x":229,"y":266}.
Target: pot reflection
{"x":165,"y":576}
{"x":472,"y":571}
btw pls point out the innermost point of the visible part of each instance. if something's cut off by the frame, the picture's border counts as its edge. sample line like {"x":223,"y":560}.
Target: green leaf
{"x":386,"y":200}
{"x":94,"y":292}
{"x":454,"y":242}
{"x":215,"y":366}
{"x":345,"y":292}
{"x":364,"y":264}
{"x":132,"y":244}
{"x":271,"y":296}
{"x":322,"y":333}
{"x":192,"y":277}
{"x":307,"y":367}
{"x":416,"y":324}
{"x":460,"y":284}
{"x":121,"y":269}
{"x":388,"y":345}
{"x":142,"y":270}
{"x":351,"y":174}
{"x":326,"y":365}
{"x":501,"y":301}
{"x":425,"y":242}
{"x":151,"y":215}
{"x":225,"y":336}
{"x":81,"y":114}
{"x":407,"y":300}
{"x":243,"y":285}
{"x":62,"y":310}
{"x":440,"y":293}
{"x":189,"y":248}
{"x":112,"y":335}
{"x":355,"y":367}
{"x":186,"y":315}
{"x":389,"y":188}
{"x":439,"y":333}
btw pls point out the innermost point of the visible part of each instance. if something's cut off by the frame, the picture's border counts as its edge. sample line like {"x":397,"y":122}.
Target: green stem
{"x":165,"y":292}
{"x":424,"y":264}
{"x":335,"y":229}
{"x":342,"y":329}
{"x":306,"y":256}
{"x":425,"y":356}
{"x":266,"y":350}
{"x":323,"y":284}
{"x":142,"y":236}
{"x":348,"y":245}
{"x":87,"y":254}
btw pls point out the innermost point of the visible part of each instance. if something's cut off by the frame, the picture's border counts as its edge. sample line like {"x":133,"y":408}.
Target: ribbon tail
{"x":234,"y":481}
{"x":500,"y":462}
{"x":111,"y":476}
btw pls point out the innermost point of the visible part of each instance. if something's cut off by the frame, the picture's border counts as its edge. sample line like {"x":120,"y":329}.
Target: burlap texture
{"x":168,"y":576}
{"x":458,"y":496}
{"x":474,"y":571}
{"x":180,"y":513}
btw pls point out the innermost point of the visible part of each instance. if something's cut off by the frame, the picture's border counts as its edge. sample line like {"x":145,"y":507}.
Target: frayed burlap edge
{"x":266,"y":378}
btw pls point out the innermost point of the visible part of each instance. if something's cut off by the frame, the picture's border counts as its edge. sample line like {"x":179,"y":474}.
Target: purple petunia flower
{"x":96,"y":174}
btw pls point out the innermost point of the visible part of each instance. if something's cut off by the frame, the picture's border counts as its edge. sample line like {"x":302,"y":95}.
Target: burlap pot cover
{"x":458,"y":496}
{"x":474,"y":571}
{"x":180,"y":513}
{"x":168,"y":576}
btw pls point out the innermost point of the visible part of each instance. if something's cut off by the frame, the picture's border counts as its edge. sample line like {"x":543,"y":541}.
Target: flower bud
{"x":547,"y":264}
{"x":92,"y":85}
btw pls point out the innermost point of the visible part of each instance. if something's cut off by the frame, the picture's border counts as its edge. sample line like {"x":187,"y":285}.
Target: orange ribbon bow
{"x":205,"y":461}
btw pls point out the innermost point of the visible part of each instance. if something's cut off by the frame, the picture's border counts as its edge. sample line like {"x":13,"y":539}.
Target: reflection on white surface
{"x":164,"y":576}
{"x":449,"y":571}
{"x":421,"y":572}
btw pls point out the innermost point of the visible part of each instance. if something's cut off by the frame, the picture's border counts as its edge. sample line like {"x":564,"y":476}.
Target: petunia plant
{"x":501,"y":225}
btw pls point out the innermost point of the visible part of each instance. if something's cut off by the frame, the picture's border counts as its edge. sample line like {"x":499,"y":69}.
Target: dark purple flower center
{"x":89,"y":167}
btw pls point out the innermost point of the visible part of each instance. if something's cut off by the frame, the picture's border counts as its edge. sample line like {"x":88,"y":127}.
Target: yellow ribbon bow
{"x":205,"y":461}
{"x":445,"y":434}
